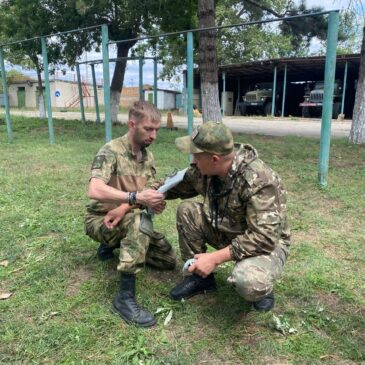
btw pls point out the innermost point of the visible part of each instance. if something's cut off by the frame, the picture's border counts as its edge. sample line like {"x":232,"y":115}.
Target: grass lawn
{"x":59,"y":310}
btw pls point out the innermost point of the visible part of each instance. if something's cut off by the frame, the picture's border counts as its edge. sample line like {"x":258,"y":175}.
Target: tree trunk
{"x":118,"y":79}
{"x":357,"y":133}
{"x":42,"y":112}
{"x":208,"y":63}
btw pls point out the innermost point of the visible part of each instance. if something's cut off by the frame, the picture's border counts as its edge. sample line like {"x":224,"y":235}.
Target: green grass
{"x":59,"y":312}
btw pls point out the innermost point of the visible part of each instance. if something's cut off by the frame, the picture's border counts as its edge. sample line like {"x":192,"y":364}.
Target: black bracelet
{"x":132,"y":198}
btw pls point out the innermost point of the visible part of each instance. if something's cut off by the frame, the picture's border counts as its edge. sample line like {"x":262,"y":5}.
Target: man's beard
{"x":145,"y":144}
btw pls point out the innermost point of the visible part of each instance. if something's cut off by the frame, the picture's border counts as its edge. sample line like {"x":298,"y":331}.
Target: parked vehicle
{"x":313,"y":100}
{"x":258,"y":100}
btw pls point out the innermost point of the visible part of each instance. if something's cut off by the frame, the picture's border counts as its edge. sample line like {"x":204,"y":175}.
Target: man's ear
{"x":215,"y":158}
{"x":131,"y":123}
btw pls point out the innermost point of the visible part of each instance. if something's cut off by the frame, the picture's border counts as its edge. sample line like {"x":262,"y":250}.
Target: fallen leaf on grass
{"x":4,"y":263}
{"x":5,"y":295}
{"x":281,"y":325}
{"x":47,"y":315}
{"x":168,"y":318}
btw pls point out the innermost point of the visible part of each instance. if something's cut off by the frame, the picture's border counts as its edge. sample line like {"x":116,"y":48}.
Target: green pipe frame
{"x":6,"y":99}
{"x":332,"y":36}
{"x":48,"y":90}
{"x":81,"y":98}
{"x":329,"y":79}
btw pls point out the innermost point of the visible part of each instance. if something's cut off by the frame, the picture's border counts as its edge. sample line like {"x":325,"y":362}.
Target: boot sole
{"x":205,"y":291}
{"x":148,"y":324}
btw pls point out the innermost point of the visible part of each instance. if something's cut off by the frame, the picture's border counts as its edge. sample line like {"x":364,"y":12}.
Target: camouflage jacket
{"x":117,"y":166}
{"x":249,"y":204}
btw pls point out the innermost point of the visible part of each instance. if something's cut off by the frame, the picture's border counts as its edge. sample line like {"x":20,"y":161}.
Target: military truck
{"x":258,"y":100}
{"x":313,"y":100}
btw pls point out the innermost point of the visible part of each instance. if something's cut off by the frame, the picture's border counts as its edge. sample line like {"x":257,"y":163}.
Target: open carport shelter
{"x":236,"y":79}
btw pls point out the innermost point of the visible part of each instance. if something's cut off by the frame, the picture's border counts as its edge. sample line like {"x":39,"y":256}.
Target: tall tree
{"x":357,"y":132}
{"x":27,"y":19}
{"x":130,"y":19}
{"x":127,"y":19}
{"x":17,"y":24}
{"x":291,"y":38}
{"x":208,"y":66}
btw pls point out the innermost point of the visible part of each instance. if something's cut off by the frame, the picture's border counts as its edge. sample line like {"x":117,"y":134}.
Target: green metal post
{"x":6,"y":100}
{"x":344,"y":88}
{"x":329,"y":78}
{"x":284,"y":93}
{"x":190,"y":81}
{"x":224,"y":94}
{"x":48,"y":91}
{"x":155,"y":82}
{"x":273,"y":94}
{"x":106,"y":76}
{"x":96,"y":99}
{"x":140,"y":78}
{"x":80,"y":93}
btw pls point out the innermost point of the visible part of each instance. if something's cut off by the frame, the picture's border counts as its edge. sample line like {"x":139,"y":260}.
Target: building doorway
{"x":21,"y":97}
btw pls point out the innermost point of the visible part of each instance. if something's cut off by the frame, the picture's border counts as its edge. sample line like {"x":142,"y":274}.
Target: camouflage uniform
{"x":246,"y":210}
{"x":116,"y":165}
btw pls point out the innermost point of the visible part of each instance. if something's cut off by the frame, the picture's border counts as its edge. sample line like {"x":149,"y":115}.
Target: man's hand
{"x":150,"y":198}
{"x":204,"y":264}
{"x":114,"y":216}
{"x":158,"y":209}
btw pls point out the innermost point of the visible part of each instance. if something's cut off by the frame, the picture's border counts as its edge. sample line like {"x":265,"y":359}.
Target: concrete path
{"x":253,"y":125}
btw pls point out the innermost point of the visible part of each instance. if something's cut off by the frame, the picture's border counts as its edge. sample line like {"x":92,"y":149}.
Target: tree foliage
{"x":130,"y":20}
{"x":13,"y":75}
{"x":29,"y":19}
{"x":253,"y":42}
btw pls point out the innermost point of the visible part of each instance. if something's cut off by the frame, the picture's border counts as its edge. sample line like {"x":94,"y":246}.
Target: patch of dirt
{"x":331,"y":300}
{"x":300,"y":236}
{"x":336,"y":163}
{"x":278,"y":361}
{"x":78,"y":277}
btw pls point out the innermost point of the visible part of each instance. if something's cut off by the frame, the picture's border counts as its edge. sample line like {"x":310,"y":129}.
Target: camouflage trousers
{"x":136,"y":248}
{"x":253,"y":278}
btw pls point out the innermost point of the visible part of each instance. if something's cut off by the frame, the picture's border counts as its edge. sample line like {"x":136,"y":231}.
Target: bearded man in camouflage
{"x":123,"y":183}
{"x":243,"y":216}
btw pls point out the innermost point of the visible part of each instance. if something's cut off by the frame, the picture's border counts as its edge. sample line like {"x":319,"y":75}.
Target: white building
{"x":166,"y":99}
{"x":64,"y":94}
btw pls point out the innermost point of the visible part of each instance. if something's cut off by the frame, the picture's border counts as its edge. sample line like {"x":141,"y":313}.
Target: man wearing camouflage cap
{"x":123,"y":183}
{"x":243,"y":216}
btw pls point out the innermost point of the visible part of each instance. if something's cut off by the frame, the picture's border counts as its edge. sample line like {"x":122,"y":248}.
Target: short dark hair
{"x":143,"y":109}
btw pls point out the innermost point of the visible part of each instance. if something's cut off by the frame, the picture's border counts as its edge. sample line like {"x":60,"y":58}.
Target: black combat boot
{"x":265,"y":304}
{"x":126,"y":306}
{"x":105,"y":252}
{"x":193,"y":285}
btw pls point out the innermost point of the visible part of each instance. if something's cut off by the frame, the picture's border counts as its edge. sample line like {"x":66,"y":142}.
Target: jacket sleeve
{"x":187,"y":188}
{"x":264,"y":219}
{"x":152,"y":182}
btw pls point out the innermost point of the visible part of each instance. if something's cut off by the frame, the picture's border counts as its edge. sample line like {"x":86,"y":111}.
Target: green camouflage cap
{"x":211,"y":137}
